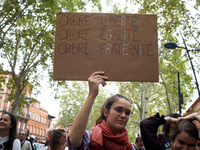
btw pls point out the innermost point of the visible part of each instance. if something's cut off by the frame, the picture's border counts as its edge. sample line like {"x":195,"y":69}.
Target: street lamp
{"x":172,"y":45}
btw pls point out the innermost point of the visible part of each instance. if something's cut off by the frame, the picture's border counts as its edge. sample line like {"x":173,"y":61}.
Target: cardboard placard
{"x":125,"y":46}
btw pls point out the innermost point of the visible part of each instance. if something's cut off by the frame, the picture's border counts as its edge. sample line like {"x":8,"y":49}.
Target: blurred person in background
{"x":49,"y":134}
{"x":139,"y":143}
{"x":28,"y":138}
{"x":25,"y":144}
{"x":57,"y":141}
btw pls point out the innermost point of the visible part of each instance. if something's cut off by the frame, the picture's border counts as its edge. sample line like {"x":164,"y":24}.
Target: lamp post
{"x":171,"y":45}
{"x":180,"y":95}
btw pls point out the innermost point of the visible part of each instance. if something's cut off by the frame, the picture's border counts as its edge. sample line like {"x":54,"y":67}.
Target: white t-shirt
{"x":16,"y":143}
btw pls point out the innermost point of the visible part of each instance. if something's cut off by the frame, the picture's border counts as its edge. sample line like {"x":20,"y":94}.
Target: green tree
{"x":173,"y":15}
{"x":27,"y":38}
{"x":72,"y":99}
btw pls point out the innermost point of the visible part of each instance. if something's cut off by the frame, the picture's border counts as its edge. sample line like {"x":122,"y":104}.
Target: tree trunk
{"x":144,"y":99}
{"x":16,"y":102}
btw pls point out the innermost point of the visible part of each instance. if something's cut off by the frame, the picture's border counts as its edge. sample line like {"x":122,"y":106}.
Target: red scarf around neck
{"x":103,"y":135}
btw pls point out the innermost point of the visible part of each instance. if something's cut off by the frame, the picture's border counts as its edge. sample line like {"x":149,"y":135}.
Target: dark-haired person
{"x":8,"y":140}
{"x":139,"y":143}
{"x":57,"y":141}
{"x":165,"y":138}
{"x":109,"y":132}
{"x":28,"y":138}
{"x":183,"y":139}
{"x":185,"y":136}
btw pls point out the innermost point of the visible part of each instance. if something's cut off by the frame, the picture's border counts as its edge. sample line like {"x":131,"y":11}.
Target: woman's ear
{"x":105,"y":112}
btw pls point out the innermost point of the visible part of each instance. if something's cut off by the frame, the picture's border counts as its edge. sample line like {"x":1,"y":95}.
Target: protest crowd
{"x":108,"y":133}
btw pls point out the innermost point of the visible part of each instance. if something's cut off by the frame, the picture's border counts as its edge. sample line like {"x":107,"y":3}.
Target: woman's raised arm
{"x":81,"y":120}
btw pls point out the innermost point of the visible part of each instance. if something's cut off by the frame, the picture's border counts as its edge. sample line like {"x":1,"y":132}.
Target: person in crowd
{"x":28,"y":138}
{"x":25,"y":144}
{"x":8,"y":140}
{"x":139,"y":143}
{"x":184,"y":136}
{"x":165,"y":138}
{"x":35,"y":140}
{"x":57,"y":141}
{"x":109,"y":132}
{"x":49,"y":133}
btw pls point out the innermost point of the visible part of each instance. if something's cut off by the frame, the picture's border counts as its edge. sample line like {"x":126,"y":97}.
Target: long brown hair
{"x":107,"y":105}
{"x":54,"y":139}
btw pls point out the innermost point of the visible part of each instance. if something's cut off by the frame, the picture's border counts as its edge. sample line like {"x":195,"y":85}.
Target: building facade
{"x":195,"y":107}
{"x":33,"y":117}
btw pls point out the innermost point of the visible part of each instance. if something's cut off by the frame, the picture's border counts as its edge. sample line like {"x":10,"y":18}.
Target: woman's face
{"x":184,"y":141}
{"x":5,"y":122}
{"x":62,"y":139}
{"x":118,"y":115}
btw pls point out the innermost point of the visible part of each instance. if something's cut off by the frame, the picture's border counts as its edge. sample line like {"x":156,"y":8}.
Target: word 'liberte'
{"x":106,"y":20}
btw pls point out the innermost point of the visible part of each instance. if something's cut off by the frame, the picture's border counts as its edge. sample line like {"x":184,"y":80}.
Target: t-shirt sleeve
{"x":16,"y":145}
{"x":85,"y":144}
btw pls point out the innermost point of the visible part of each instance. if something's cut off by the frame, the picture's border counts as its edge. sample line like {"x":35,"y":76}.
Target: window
{"x":8,"y":106}
{"x":39,"y":118}
{"x":38,"y":131}
{"x":25,"y":111}
{"x":45,"y":120}
{"x":34,"y":130}
{"x":36,"y":118}
{"x":23,"y":125}
{"x":31,"y":129}
{"x":33,"y":116}
{"x":42,"y":119}
{"x":41,"y":132}
{"x":19,"y":125}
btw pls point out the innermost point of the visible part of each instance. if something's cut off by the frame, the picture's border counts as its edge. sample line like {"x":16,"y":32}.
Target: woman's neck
{"x":60,"y":147}
{"x":4,"y":133}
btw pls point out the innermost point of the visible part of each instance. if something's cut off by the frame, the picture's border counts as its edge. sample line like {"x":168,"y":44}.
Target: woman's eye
{"x":128,"y":113}
{"x":181,"y":142}
{"x":119,"y":109}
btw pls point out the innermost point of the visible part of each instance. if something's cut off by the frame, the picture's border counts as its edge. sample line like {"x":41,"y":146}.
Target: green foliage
{"x":72,"y":99}
{"x":173,"y":16}
{"x":27,"y":31}
{"x":24,"y":100}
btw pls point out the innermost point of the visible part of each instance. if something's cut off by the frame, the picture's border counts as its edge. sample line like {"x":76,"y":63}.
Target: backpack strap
{"x":90,"y":133}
